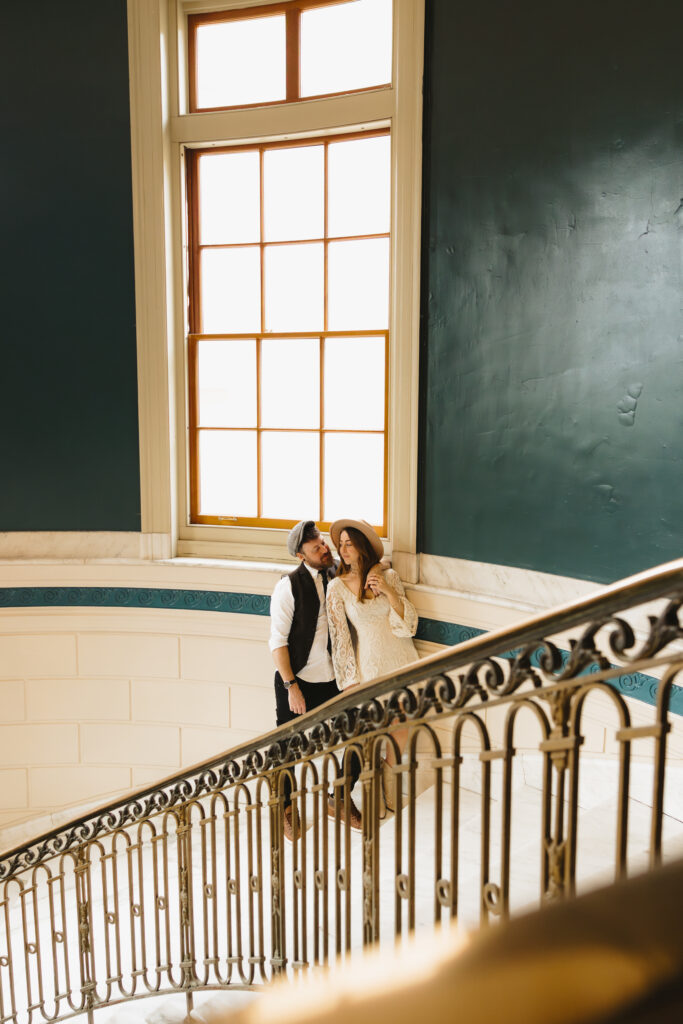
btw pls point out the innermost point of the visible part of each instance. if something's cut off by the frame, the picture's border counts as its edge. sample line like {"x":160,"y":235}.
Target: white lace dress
{"x":368,"y":638}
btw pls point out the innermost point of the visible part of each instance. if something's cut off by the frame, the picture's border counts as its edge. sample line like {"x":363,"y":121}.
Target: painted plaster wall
{"x":552,"y":332}
{"x":68,"y":416}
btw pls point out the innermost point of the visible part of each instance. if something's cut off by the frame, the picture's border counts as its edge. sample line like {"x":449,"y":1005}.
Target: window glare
{"x":346,"y":46}
{"x":227,"y":484}
{"x":294,"y":287}
{"x":359,"y":187}
{"x":241,"y":62}
{"x":290,"y":482}
{"x":361,"y":360}
{"x":231,"y":290}
{"x":290,"y":382}
{"x":229,"y":207}
{"x":358,"y":284}
{"x":354,"y":477}
{"x":294,"y":193}
{"x":226,"y":383}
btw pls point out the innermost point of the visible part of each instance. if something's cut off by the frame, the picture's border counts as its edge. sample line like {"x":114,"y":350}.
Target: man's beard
{"x":319,"y":564}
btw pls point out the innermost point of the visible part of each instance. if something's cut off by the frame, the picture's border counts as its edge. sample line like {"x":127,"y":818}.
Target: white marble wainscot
{"x":525,"y":590}
{"x":73,"y":544}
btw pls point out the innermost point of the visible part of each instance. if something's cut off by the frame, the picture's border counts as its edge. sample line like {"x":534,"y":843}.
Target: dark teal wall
{"x":68,"y":412}
{"x":552,"y":412}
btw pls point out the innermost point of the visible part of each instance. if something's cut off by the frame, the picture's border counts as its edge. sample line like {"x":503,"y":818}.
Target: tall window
{"x":289,"y":275}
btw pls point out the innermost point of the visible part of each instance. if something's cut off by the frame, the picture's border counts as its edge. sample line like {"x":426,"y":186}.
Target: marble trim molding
{"x":505,"y":585}
{"x":76,"y":545}
{"x":435,"y":631}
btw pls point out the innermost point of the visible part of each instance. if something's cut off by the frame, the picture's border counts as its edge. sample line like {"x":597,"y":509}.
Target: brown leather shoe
{"x":288,"y":819}
{"x":355,"y":817}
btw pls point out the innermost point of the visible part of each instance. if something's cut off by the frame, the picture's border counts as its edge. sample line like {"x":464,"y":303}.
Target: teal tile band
{"x":134,"y":597}
{"x":637,"y":685}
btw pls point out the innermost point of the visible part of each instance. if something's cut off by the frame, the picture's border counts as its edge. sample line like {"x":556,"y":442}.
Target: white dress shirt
{"x":318,"y":668}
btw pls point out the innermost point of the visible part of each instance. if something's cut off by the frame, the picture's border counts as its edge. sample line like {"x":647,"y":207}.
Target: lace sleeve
{"x":343,"y":657}
{"x":406,"y":626}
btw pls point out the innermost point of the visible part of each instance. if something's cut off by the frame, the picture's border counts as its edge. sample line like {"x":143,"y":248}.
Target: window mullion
{"x":293,"y":54}
{"x":259,"y":463}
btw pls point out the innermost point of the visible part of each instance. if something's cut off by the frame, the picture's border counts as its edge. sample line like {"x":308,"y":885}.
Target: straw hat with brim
{"x":358,"y":524}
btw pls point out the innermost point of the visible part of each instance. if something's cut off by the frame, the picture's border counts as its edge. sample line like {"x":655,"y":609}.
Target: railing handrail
{"x":662,"y":581}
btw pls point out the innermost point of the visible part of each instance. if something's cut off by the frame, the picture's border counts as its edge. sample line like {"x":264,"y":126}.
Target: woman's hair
{"x":366,"y":557}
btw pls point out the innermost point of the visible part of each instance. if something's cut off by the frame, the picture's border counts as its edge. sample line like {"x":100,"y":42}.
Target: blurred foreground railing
{"x":192,"y":884}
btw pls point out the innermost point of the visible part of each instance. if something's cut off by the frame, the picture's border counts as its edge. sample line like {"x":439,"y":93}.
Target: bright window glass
{"x":228,"y":473}
{"x":354,"y":477}
{"x":354,"y":383}
{"x":229,"y":209}
{"x":294,"y":193}
{"x":290,"y":382}
{"x":346,"y":46}
{"x":239,"y":63}
{"x":359,"y":187}
{"x":294,"y":373}
{"x":226,"y":383}
{"x":290,"y":475}
{"x":358,"y":284}
{"x":231,"y":290}
{"x":294,"y":287}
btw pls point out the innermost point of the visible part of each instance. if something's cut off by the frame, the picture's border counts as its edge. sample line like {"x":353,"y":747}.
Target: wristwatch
{"x":288,"y":682}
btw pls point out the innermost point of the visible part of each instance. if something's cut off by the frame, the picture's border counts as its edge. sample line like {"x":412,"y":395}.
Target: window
{"x":178,"y":121}
{"x":285,"y":52}
{"x":289,"y":342}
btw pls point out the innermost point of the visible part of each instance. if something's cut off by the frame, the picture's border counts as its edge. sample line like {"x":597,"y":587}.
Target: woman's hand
{"x":378,"y":585}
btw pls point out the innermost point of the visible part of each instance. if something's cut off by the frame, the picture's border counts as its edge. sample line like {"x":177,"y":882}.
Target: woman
{"x":371,"y":600}
{"x":371,"y":621}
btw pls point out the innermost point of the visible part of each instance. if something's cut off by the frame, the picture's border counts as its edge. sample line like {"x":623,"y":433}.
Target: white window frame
{"x":161,"y":129}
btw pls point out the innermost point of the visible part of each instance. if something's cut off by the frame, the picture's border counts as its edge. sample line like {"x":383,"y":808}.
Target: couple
{"x":334,"y":625}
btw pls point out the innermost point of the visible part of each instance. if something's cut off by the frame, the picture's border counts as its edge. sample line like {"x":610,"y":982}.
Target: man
{"x":300,"y":645}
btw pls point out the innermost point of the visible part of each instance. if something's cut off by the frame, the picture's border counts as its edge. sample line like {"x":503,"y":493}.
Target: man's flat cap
{"x":296,"y":536}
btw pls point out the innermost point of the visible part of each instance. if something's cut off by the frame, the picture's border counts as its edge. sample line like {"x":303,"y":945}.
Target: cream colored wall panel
{"x":38,"y":744}
{"x":135,"y":621}
{"x":61,"y":786}
{"x":12,"y":701}
{"x":148,"y":776}
{"x":77,"y":700}
{"x":232,"y":661}
{"x":182,"y":702}
{"x":129,"y":744}
{"x":35,"y":656}
{"x":100,"y":655}
{"x":14,"y":788}
{"x":201,"y":744}
{"x":252,"y":707}
{"x":11,"y":818}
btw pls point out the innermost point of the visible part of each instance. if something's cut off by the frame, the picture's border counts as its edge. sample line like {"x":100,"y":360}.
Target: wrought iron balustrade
{"x":191,"y":884}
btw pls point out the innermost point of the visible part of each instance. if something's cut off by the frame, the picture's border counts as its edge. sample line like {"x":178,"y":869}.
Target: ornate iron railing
{"x":192,"y":884}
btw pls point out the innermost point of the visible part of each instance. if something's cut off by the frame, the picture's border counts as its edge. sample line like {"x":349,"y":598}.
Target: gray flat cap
{"x":296,"y":534}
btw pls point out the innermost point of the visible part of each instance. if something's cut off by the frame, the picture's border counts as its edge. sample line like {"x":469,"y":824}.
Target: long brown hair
{"x":366,"y":557}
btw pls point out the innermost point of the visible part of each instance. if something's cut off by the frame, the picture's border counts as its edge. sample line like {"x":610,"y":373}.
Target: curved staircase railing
{"x":498,"y":802}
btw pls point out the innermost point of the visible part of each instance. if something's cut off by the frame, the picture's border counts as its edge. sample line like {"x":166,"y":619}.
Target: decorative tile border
{"x":134,"y":597}
{"x":637,"y":685}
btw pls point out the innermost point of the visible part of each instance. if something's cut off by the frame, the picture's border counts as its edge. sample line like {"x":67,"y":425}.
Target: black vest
{"x":305,"y":618}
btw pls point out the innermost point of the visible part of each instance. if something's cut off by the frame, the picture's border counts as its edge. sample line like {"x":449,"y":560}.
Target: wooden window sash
{"x":196,"y":335}
{"x":292,"y":11}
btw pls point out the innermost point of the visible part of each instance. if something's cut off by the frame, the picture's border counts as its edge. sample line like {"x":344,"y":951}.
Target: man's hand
{"x":297,"y":704}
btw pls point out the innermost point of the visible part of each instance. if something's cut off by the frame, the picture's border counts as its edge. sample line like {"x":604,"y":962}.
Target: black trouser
{"x":314,"y":694}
